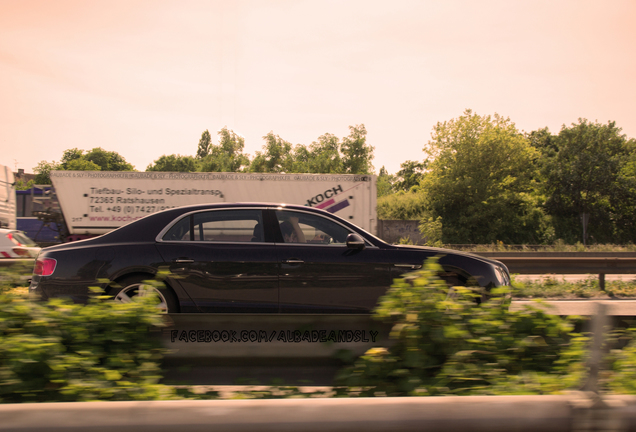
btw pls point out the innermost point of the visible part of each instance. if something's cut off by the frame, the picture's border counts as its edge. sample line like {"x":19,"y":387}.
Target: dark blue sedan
{"x":247,"y":258}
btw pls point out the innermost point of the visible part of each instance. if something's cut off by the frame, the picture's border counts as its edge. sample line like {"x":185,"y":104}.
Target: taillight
{"x":44,"y":267}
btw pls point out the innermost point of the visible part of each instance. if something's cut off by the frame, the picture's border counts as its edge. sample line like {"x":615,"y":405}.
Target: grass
{"x":588,"y":288}
{"x":19,"y":291}
{"x":556,"y":247}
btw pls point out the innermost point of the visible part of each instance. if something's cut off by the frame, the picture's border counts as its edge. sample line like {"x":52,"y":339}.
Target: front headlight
{"x":502,"y":276}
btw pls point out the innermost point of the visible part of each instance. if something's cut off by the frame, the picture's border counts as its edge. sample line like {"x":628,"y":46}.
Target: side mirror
{"x":354,"y":241}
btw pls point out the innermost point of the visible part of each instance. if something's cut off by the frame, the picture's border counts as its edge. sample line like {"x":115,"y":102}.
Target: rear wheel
{"x":131,"y":287}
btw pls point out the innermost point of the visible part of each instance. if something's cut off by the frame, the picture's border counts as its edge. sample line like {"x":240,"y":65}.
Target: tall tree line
{"x":482,"y":181}
{"x":328,"y":154}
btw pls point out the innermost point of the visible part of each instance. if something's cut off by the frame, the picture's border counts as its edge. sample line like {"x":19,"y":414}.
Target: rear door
{"x":224,"y":260}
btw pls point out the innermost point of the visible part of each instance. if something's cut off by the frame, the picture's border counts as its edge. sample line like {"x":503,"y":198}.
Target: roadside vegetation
{"x":57,"y":351}
{"x":442,"y":345}
{"x":483,"y":181}
{"x":480,"y":180}
{"x":554,"y":287}
{"x":329,"y":154}
{"x":450,"y":345}
{"x":558,"y":246}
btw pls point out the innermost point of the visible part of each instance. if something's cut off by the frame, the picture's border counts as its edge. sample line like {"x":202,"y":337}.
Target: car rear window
{"x":227,"y":226}
{"x":23,"y":239}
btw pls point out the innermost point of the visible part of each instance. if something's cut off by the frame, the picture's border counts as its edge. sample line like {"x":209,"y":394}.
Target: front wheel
{"x":452,"y":280}
{"x":132,"y":287}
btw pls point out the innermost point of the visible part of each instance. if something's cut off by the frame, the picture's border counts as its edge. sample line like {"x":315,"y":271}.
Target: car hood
{"x":442,"y":251}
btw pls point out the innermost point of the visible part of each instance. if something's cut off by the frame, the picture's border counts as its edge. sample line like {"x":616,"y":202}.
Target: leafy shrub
{"x":401,"y":206}
{"x":59,"y":351}
{"x":620,"y":376}
{"x":551,"y":287}
{"x":15,"y":276}
{"x":448,"y":344}
{"x":431,"y":230}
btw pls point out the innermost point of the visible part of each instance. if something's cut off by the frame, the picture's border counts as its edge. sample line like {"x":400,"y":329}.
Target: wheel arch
{"x":116,"y":284}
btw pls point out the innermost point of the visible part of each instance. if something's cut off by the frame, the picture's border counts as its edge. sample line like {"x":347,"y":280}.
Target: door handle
{"x":409,"y":266}
{"x":182,"y":260}
{"x":293,"y":261}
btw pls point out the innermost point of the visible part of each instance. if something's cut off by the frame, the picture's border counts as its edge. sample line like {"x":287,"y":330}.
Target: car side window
{"x":299,"y":227}
{"x":179,"y":231}
{"x":227,"y":226}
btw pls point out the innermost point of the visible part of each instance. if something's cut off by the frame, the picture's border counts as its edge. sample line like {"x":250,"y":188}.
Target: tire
{"x":453,"y":280}
{"x":128,"y":288}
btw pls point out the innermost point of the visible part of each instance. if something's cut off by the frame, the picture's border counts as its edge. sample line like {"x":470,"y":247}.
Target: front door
{"x":319,"y":273}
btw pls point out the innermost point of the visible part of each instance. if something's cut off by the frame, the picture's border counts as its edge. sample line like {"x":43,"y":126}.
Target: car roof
{"x":147,"y":228}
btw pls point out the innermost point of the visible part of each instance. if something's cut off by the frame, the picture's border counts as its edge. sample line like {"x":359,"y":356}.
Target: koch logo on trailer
{"x":327,"y":200}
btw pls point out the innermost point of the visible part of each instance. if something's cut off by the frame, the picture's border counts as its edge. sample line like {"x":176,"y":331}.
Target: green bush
{"x":620,"y":374}
{"x":59,"y":351}
{"x":445,"y":343}
{"x":15,"y":276}
{"x":401,"y":206}
{"x":588,"y":288}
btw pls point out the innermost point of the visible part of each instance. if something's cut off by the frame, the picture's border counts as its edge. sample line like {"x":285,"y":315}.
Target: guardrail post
{"x":597,"y":413}
{"x":601,"y":281}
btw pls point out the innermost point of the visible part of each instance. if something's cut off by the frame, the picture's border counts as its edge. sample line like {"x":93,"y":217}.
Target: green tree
{"x":228,"y":155}
{"x":586,"y":171}
{"x":108,"y":160}
{"x":174,"y":163}
{"x":480,"y":182}
{"x":324,"y":155}
{"x":70,"y":155}
{"x":21,"y":185}
{"x":624,"y":203}
{"x":402,"y":206}
{"x":385,"y":182}
{"x":409,"y":175}
{"x":82,"y":165}
{"x":277,"y":156}
{"x":204,"y":145}
{"x":356,"y":153}
{"x":43,"y":172}
{"x":75,"y":159}
{"x":543,"y":141}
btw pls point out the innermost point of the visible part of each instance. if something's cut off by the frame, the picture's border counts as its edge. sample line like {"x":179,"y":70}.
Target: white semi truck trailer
{"x":96,"y":202}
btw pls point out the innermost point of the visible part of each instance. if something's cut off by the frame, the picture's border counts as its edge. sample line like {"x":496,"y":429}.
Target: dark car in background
{"x":247,"y":258}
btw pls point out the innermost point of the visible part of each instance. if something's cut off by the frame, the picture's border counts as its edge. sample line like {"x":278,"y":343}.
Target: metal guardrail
{"x":6,"y":262}
{"x":600,"y":263}
{"x":573,"y":412}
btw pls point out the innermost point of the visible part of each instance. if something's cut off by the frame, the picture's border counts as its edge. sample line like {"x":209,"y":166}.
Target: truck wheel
{"x":129,"y":287}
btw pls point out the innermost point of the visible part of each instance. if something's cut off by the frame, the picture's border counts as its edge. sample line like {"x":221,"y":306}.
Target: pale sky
{"x":146,"y":78}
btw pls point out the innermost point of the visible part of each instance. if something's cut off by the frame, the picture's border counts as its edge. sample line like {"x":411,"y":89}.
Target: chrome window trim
{"x":159,"y":236}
